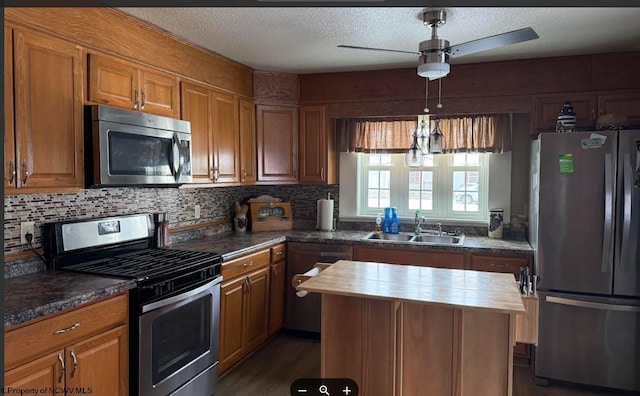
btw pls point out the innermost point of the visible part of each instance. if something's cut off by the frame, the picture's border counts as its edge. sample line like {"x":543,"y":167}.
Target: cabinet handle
{"x":12,"y":167}
{"x":75,"y":362}
{"x":211,"y":174}
{"x":62,"y":369}
{"x":279,"y":253}
{"x":245,"y":286}
{"x":245,"y":265}
{"x":249,"y":282}
{"x":72,"y":327}
{"x":25,"y":172}
{"x":244,"y":174}
{"x":322,"y":174}
{"x":135,"y":104}
{"x":216,"y":174}
{"x":143,"y":98}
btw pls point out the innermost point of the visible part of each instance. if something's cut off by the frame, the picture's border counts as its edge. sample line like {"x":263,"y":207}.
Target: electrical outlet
{"x":196,"y":211}
{"x":26,"y":227}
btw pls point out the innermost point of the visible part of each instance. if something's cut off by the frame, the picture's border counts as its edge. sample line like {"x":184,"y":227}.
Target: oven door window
{"x":132,"y":154}
{"x":180,"y":336}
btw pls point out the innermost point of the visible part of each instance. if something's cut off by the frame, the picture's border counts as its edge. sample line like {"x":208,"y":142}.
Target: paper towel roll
{"x":312,"y":272}
{"x":325,"y":215}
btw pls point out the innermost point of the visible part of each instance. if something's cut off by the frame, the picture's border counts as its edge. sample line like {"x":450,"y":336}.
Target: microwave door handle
{"x":177,"y":157}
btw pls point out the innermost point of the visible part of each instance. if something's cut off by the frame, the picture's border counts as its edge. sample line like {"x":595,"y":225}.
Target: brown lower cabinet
{"x":85,"y":349}
{"x":277,"y":285}
{"x":244,"y":307}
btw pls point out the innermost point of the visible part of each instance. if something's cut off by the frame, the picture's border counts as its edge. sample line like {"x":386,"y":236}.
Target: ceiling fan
{"x":435,"y":53}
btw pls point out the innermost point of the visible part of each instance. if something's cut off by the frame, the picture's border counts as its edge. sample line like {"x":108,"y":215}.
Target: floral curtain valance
{"x":489,"y":133}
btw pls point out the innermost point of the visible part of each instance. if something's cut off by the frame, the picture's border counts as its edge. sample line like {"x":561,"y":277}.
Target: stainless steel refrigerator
{"x":584,"y":228}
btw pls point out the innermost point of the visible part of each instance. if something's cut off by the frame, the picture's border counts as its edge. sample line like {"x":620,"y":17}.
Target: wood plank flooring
{"x":285,"y":358}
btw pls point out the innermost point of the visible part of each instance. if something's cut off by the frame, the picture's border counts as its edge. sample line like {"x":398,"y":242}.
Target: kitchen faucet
{"x":417,"y":222}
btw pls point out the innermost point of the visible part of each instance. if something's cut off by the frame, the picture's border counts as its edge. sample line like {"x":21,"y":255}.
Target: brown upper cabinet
{"x":317,"y":147}
{"x":120,"y":83}
{"x":587,"y":106}
{"x":43,"y":129}
{"x":277,"y":143}
{"x":222,"y":135}
{"x":247,"y":112}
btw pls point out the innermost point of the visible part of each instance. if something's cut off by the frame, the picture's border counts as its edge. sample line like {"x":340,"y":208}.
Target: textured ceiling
{"x":305,"y":40}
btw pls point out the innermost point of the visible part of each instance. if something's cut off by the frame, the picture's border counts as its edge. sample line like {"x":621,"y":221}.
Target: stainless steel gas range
{"x":174,"y":310}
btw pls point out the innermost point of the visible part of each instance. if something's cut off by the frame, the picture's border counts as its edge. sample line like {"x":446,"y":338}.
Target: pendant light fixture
{"x":423,"y":137}
{"x":436,"y":139}
{"x":413,"y":156}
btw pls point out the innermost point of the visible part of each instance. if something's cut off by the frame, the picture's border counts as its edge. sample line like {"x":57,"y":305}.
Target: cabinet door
{"x":510,"y":265}
{"x":48,"y":108}
{"x":159,"y":93}
{"x":42,"y":373}
{"x":276,"y":296}
{"x":99,"y":365}
{"x":226,"y":138}
{"x":113,"y":82}
{"x":232,"y":296}
{"x":277,"y":143}
{"x":547,"y":108}
{"x":410,"y":257}
{"x":196,"y":108}
{"x":621,"y":103}
{"x":247,"y":141}
{"x":313,"y":145}
{"x":9,"y":136}
{"x":257,"y":309}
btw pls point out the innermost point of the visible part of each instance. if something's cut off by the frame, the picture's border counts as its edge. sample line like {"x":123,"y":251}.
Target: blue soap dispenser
{"x":395,"y":223}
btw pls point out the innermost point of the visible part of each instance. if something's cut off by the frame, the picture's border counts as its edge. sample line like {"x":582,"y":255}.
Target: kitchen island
{"x":408,"y":330}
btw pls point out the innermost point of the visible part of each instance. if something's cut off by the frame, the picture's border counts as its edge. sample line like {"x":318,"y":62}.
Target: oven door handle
{"x":180,"y":297}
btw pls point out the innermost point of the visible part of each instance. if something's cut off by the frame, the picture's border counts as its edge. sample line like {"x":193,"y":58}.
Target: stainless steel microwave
{"x":130,"y":148}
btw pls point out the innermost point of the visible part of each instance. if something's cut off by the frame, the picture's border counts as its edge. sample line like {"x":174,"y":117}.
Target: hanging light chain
{"x":426,"y":95}
{"x":439,"y":105}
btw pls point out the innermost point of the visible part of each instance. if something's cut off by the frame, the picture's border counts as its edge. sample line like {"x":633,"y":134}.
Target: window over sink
{"x":448,"y":186}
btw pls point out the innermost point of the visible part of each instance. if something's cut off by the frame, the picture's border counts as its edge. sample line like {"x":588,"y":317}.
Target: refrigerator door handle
{"x":592,"y":305}
{"x":607,"y":239}
{"x":629,"y":245}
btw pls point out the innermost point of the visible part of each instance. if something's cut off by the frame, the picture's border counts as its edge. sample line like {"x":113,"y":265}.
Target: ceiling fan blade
{"x":491,"y":42}
{"x":379,"y":49}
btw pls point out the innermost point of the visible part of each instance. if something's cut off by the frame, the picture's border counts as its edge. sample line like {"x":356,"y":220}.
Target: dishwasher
{"x":303,"y":313}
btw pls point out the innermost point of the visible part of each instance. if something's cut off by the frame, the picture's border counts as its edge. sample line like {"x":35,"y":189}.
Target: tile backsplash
{"x":216,"y":203}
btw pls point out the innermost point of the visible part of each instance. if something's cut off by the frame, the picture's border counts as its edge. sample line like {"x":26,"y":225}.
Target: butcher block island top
{"x":407,"y":330}
{"x":424,"y":285}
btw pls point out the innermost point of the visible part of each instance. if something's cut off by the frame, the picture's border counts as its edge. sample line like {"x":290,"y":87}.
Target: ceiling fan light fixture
{"x":433,"y":71}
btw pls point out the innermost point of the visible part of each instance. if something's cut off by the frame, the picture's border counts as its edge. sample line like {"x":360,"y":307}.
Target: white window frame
{"x":442,"y":208}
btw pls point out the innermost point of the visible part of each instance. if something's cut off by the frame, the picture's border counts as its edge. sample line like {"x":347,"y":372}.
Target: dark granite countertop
{"x":233,"y":245}
{"x":35,"y":295}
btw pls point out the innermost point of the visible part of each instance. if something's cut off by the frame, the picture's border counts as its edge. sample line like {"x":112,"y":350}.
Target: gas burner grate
{"x":147,"y":264}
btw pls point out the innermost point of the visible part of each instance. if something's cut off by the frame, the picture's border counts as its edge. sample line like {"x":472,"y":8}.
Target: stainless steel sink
{"x":438,"y":239}
{"x":389,"y":237}
{"x":423,"y":239}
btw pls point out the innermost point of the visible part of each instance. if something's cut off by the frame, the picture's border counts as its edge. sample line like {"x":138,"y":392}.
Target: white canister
{"x":496,"y":220}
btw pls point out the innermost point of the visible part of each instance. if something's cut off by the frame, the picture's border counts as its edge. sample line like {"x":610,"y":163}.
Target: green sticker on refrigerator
{"x":566,"y":163}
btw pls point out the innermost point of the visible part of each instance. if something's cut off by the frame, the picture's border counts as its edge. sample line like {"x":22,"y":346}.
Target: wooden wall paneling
{"x":615,"y":71}
{"x":275,"y":88}
{"x":113,"y":31}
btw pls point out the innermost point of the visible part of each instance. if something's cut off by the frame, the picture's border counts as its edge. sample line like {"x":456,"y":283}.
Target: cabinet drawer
{"x":499,"y":264}
{"x":245,"y":264}
{"x":278,"y":253}
{"x":28,"y":342}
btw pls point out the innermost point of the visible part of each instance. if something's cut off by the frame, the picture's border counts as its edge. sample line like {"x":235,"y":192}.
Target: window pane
{"x":374,"y":178}
{"x":468,"y":159}
{"x":465,"y":191}
{"x":385,"y":179}
{"x":385,"y":159}
{"x":385,"y":198}
{"x":473,"y":159}
{"x":372,"y":198}
{"x":374,"y":159}
{"x":420,"y":190}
